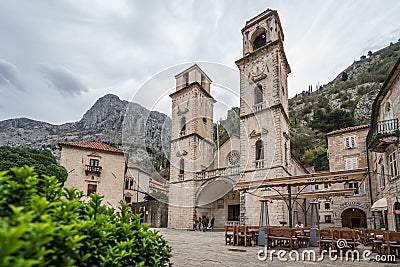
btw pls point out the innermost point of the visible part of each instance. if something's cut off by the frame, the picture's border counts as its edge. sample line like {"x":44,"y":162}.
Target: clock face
{"x":257,"y":68}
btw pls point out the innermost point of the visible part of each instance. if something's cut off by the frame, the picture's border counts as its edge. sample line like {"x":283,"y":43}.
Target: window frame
{"x":350,"y":142}
{"x":94,"y":162}
{"x":91,"y":189}
{"x":330,"y":218}
{"x":260,"y":153}
{"x":258,"y":94}
{"x":355,"y":185}
{"x":351,"y":163}
{"x":392,"y":164}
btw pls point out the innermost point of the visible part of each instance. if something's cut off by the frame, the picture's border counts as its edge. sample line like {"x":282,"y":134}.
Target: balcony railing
{"x":259,"y":164}
{"x":221,"y":172}
{"x":258,"y":106}
{"x":382,"y":134}
{"x":93,"y":169}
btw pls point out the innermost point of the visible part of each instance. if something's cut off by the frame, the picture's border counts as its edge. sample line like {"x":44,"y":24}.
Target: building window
{"x":382,"y":180}
{"x":129,"y":184}
{"x":316,"y":187}
{"x":181,"y":166}
{"x":354,"y":185}
{"x":328,"y":218}
{"x":94,"y":162}
{"x":350,"y":142}
{"x":92,"y":188}
{"x":128,"y":199}
{"x":393,"y":165}
{"x":258,"y":95}
{"x":259,"y":150}
{"x":202,"y":80}
{"x":326,"y":186}
{"x":327,"y":205}
{"x":388,"y":112}
{"x":260,"y":41}
{"x":352,"y":163}
{"x":183,"y":124}
{"x":186,"y":78}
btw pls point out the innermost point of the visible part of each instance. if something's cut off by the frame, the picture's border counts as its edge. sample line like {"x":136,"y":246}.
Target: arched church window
{"x":182,"y":166}
{"x":259,"y":150}
{"x":183,"y":124}
{"x":258,"y":94}
{"x":260,"y":41}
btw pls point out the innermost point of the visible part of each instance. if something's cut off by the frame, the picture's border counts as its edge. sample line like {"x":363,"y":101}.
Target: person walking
{"x":205,"y":224}
{"x":199,"y":223}
{"x":212,"y":223}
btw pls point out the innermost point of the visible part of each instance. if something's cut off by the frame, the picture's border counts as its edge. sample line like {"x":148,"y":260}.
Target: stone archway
{"x":354,"y":218}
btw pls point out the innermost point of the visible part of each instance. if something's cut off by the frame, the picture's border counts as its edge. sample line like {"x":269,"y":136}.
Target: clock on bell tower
{"x":264,"y":133}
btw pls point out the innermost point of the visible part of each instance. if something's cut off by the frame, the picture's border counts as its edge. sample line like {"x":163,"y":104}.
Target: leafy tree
{"x":46,"y":226}
{"x":228,"y":127}
{"x":318,"y":158}
{"x":330,"y":120}
{"x":43,"y":161}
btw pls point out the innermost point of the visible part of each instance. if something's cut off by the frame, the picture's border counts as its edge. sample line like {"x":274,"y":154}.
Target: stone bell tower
{"x":264,"y":133}
{"x":192,"y":143}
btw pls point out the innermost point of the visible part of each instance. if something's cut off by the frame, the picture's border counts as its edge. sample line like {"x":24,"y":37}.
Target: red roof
{"x":349,"y":129}
{"x":92,"y":145}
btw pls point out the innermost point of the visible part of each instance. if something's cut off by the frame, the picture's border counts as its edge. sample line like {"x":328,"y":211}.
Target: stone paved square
{"x":195,"y":248}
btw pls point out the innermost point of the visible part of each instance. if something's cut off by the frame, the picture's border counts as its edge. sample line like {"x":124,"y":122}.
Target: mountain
{"x":345,"y":101}
{"x":142,"y":133}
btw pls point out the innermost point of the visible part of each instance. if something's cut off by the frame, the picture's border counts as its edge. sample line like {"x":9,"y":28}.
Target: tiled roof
{"x":349,"y":129}
{"x":92,"y":145}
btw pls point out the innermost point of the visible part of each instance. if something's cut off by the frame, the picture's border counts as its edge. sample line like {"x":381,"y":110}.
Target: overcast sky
{"x":58,"y":57}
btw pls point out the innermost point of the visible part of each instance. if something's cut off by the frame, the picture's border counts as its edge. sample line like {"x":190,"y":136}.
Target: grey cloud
{"x":63,"y":80}
{"x":9,"y":75}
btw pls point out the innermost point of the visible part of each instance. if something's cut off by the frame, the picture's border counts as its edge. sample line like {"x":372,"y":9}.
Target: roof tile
{"x":92,"y":145}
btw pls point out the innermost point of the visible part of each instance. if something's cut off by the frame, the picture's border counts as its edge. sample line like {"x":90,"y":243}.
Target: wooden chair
{"x":325,"y":239}
{"x":376,"y":240}
{"x":391,"y":243}
{"x":254,"y":234}
{"x":283,"y":236}
{"x":243,"y":236}
{"x":302,"y":236}
{"x":229,"y":234}
{"x":362,"y":235}
{"x":348,"y":235}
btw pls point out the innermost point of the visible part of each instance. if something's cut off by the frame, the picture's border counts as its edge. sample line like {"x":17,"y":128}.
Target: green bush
{"x":42,"y":159}
{"x":43,"y":225}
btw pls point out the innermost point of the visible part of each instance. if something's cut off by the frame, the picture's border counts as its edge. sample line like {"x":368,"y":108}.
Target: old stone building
{"x":201,"y":180}
{"x":94,"y":167}
{"x":383,"y":144}
{"x":137,"y":183}
{"x":347,"y":151}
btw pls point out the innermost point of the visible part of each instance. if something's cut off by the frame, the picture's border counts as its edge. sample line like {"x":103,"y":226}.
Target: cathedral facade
{"x":202,"y":177}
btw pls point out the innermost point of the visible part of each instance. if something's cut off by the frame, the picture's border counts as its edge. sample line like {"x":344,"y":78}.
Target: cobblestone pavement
{"x":195,"y":248}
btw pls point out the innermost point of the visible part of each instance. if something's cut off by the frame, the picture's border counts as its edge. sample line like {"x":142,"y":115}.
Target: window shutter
{"x":351,"y":163}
